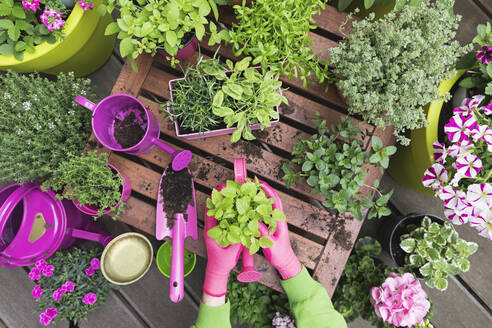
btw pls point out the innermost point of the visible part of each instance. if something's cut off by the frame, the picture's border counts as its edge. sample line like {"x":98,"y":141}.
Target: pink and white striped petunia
{"x":481,"y":132}
{"x":469,"y":165}
{"x":483,"y":224}
{"x":454,"y":217}
{"x":472,"y":103}
{"x":453,"y":199}
{"x":487,"y":110}
{"x":434,"y":176}
{"x":460,"y":148}
{"x":459,"y":127}
{"x":480,"y":195}
{"x":440,"y":152}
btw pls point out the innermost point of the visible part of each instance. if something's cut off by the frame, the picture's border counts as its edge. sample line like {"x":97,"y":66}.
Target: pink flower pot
{"x":125,"y":194}
{"x":186,"y":52}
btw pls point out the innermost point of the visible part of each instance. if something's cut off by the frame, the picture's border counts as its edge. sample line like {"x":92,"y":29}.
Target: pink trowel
{"x":176,"y":219}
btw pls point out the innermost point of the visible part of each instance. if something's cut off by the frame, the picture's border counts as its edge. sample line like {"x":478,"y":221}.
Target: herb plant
{"x":69,"y":285}
{"x":159,"y":25}
{"x":40,"y":124}
{"x":276,"y":34}
{"x":367,"y":4}
{"x":254,"y":304}
{"x":238,"y":208}
{"x":89,"y":180}
{"x":436,"y":251}
{"x":223,"y":2}
{"x":336,"y":169}
{"x":389,"y":68}
{"x":208,"y":96}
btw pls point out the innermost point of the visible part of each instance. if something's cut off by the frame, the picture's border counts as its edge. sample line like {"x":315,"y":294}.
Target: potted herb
{"x":238,"y":208}
{"x":69,"y":285}
{"x":211,"y":101}
{"x":95,"y":186}
{"x":276,"y":34}
{"x":430,"y":247}
{"x":40,"y":124}
{"x":362,"y":8}
{"x":164,"y":26}
{"x":388,"y":69}
{"x":462,"y":174}
{"x":336,"y":169}
{"x":45,"y":36}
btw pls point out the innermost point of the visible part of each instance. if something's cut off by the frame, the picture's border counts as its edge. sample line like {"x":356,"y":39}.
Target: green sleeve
{"x":310,"y":303}
{"x":213,"y":316}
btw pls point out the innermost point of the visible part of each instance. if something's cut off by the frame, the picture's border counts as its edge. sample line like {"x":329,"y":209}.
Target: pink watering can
{"x":118,"y":106}
{"x":35,"y":224}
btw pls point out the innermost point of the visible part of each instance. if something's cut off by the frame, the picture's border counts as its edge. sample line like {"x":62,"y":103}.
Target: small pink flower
{"x":459,"y":128}
{"x":90,"y":298}
{"x":480,"y":195}
{"x":37,"y":292}
{"x":434,"y":176}
{"x":41,"y":264}
{"x":57,"y":294}
{"x":481,"y":132}
{"x":44,"y":319}
{"x":485,"y":55}
{"x":30,"y":4}
{"x":469,"y":165}
{"x":51,"y":312}
{"x":35,"y":274}
{"x":487,"y":110}
{"x":440,"y":152}
{"x":48,"y":270}
{"x":454,"y":217}
{"x":69,"y":286}
{"x":52,"y":19}
{"x":472,"y":103}
{"x":89,"y":272}
{"x":460,"y":148}
{"x":85,"y":5}
{"x":95,"y":264}
{"x":453,"y":199}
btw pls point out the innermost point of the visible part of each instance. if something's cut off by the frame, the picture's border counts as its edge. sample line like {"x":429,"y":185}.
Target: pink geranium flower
{"x":485,"y":55}
{"x":435,"y":176}
{"x":459,"y":127}
{"x":95,"y":264}
{"x":37,"y":292}
{"x":440,"y":152}
{"x":469,"y":165}
{"x":35,"y":274}
{"x":89,"y":299}
{"x":30,"y":4}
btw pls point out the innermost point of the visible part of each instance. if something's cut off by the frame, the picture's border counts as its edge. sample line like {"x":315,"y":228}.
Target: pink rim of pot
{"x":186,"y":52}
{"x":125,"y":194}
{"x":213,"y":133}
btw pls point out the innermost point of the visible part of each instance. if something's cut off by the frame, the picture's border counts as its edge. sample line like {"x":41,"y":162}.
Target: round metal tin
{"x":127,"y":258}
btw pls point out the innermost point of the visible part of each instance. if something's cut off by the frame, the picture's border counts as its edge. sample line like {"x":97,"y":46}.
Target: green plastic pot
{"x":163,"y":260}
{"x":84,"y":50}
{"x":409,"y":163}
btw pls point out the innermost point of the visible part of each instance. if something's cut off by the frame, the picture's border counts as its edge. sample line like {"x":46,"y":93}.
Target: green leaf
{"x":112,"y":28}
{"x":408,"y":245}
{"x":278,"y":215}
{"x":441,"y":284}
{"x":307,"y":166}
{"x":18,"y":12}
{"x":102,"y":9}
{"x":377,"y":144}
{"x":199,"y":30}
{"x":433,"y":254}
{"x":248,"y":189}
{"x":426,"y":269}
{"x":467,"y":83}
{"x":253,"y":226}
{"x":368,"y":3}
{"x":147,"y":28}
{"x":343,"y":4}
{"x":243,"y":64}
{"x":266,"y":242}
{"x":467,"y":61}
{"x":6,"y":24}
{"x":13,"y":33}
{"x":215,"y":233}
{"x":223,"y":112}
{"x":242,"y":205}
{"x":218,"y":100}
{"x":6,"y":49}
{"x":264,"y":210}
{"x":126,"y":47}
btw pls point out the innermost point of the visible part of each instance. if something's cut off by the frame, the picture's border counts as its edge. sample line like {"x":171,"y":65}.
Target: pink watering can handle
{"x":85,"y":102}
{"x":97,"y":237}
{"x":176,"y":281}
{"x":181,"y":159}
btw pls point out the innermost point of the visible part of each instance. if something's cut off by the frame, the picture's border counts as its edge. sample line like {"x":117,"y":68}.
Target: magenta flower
{"x":85,"y":5}
{"x":69,"y":286}
{"x":468,"y":104}
{"x":480,"y":195}
{"x":440,"y":152}
{"x":485,"y":55}
{"x":469,"y":165}
{"x":454,"y":217}
{"x":90,"y":298}
{"x":434,"y":176}
{"x":481,"y":132}
{"x":37,"y":292}
{"x":51,"y":312}
{"x":52,"y":19}
{"x":453,"y":199}
{"x":41,"y":264}
{"x":48,"y":270}
{"x":460,"y":148}
{"x":89,"y":272}
{"x":57,"y":294}
{"x":487,"y":110}
{"x":459,"y":128}
{"x":400,"y":300}
{"x":35,"y":274}
{"x":483,"y":225}
{"x":44,"y":319}
{"x":95,"y":264}
{"x":30,"y":4}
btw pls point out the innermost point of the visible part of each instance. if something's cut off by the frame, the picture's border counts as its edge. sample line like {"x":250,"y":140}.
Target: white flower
{"x":454,"y":217}
{"x":483,"y":223}
{"x":453,"y":199}
{"x":27,"y":105}
{"x":6,"y":96}
{"x":480,"y":195}
{"x":434,"y":176}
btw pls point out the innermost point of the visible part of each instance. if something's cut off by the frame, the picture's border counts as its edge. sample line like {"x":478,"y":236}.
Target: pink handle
{"x":176,"y":282}
{"x":85,"y":102}
{"x":170,"y":150}
{"x":240,"y":170}
{"x":248,"y":259}
{"x":97,"y":237}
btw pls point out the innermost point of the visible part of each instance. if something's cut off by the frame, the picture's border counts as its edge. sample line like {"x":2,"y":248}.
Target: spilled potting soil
{"x":177,"y":193}
{"x":129,"y":129}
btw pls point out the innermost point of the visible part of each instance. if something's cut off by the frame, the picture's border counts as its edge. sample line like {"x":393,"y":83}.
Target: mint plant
{"x":238,"y":208}
{"x":40,"y":124}
{"x":336,"y":169}
{"x":436,"y":251}
{"x":368,"y":4}
{"x":389,"y":69}
{"x":89,"y":180}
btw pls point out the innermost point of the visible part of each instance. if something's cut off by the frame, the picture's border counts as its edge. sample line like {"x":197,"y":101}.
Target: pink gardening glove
{"x":220,"y":262}
{"x":280,"y":255}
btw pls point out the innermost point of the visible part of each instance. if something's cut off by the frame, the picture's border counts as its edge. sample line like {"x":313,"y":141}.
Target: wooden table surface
{"x":321,"y":238}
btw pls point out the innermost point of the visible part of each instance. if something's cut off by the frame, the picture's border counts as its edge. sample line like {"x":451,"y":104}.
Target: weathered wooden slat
{"x":330,"y":20}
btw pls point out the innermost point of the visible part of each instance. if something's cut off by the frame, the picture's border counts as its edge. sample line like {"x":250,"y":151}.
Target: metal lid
{"x":127,"y":258}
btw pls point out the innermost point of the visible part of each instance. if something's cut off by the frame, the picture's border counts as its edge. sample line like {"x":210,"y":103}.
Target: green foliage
{"x":361,"y":273}
{"x":223,"y":2}
{"x":390,"y":68}
{"x":40,"y":124}
{"x":70,"y":266}
{"x":254,"y":304}
{"x":336,"y":169}
{"x":436,"y":251}
{"x":238,"y":208}
{"x":89,"y":180}
{"x":21,"y":30}
{"x":368,"y":4}
{"x":208,"y":97}
{"x":155,"y":25}
{"x":276,"y":34}
{"x":425,"y":324}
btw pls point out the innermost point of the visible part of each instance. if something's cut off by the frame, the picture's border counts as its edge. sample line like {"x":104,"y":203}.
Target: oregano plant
{"x":334,"y":163}
{"x":239,"y":208}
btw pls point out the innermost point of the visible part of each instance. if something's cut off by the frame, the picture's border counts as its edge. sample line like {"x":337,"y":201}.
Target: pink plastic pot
{"x":125,"y":194}
{"x":186,"y":52}
{"x":35,"y":224}
{"x":213,"y":133}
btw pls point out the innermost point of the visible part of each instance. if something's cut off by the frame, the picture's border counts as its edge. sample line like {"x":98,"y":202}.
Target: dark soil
{"x":260,"y":134}
{"x":129,"y":132}
{"x":341,"y":236}
{"x":287,"y":109}
{"x":249,"y":150}
{"x":203,"y":171}
{"x":177,"y":193}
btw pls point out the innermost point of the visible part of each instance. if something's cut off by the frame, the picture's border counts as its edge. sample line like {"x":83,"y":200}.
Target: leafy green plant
{"x":223,"y":2}
{"x":276,"y":34}
{"x":436,"y":251}
{"x":254,"y":304}
{"x":208,"y":97}
{"x":388,"y":69}
{"x":40,"y":124}
{"x":368,"y":4}
{"x":89,"y":180}
{"x":238,"y":208}
{"x":336,"y":169}
{"x":65,"y":280}
{"x":159,"y":25}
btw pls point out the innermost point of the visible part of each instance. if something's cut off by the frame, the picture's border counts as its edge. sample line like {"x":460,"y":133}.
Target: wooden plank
{"x":487,"y":5}
{"x":330,"y":20}
{"x":472,"y":15}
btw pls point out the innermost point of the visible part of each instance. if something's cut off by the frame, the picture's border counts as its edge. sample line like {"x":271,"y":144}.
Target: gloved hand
{"x":220,"y":262}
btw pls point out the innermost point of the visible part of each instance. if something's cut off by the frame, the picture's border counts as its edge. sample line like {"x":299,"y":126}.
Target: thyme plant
{"x":388,"y":69}
{"x":40,"y":124}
